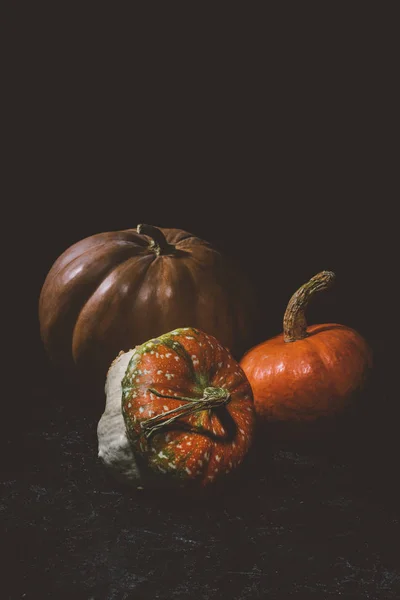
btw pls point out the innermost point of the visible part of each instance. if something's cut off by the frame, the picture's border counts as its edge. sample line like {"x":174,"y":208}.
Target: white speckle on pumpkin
{"x":172,"y":466}
{"x":188,"y":470}
{"x":162,"y":455}
{"x":165,"y":407}
{"x":200,"y":462}
{"x":159,"y":372}
{"x":141,"y":409}
{"x":129,"y":405}
{"x":217,"y":457}
{"x":189,"y":337}
{"x":220,"y":364}
{"x":168,"y":354}
{"x":176,"y":358}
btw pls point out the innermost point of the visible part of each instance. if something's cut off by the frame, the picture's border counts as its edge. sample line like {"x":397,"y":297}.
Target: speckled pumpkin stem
{"x":294,"y":320}
{"x":158,"y":244}
{"x":212,"y":397}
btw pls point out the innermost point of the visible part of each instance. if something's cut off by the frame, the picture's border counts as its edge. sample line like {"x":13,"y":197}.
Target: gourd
{"x":307,"y":372}
{"x":112,"y":291}
{"x":179,"y":413}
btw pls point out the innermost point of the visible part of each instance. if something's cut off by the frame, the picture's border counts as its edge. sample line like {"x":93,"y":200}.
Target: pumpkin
{"x":179,"y":413}
{"x":112,"y":291}
{"x":307,"y":372}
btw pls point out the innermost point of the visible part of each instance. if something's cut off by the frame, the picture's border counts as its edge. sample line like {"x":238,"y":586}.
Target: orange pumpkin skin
{"x":313,"y":377}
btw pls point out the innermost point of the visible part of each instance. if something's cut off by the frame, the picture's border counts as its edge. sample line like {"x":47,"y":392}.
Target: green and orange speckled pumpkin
{"x":179,"y":412}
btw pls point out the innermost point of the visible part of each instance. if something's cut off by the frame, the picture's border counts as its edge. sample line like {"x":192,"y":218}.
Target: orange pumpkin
{"x":179,"y":412}
{"x":306,"y":373}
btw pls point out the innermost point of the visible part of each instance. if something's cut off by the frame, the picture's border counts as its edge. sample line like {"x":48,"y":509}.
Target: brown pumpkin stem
{"x":158,"y":244}
{"x":294,"y":320}
{"x":212,"y":397}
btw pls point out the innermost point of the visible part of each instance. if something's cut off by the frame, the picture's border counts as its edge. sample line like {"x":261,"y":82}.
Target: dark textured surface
{"x":319,"y":521}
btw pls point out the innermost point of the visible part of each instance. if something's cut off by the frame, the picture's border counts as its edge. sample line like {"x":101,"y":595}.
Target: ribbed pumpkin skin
{"x":309,"y":378}
{"x":111,"y":292}
{"x":198,"y":448}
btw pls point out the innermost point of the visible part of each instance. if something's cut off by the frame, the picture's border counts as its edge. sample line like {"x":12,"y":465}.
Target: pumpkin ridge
{"x":115,"y":270}
{"x":322,"y":360}
{"x":181,"y":351}
{"x":184,"y":266}
{"x":75,"y":305}
{"x":95,"y":247}
{"x":198,"y":241}
{"x":175,"y":345}
{"x":179,"y":277}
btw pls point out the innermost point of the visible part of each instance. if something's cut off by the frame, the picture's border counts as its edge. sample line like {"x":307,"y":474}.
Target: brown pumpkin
{"x":113,"y":291}
{"x":306,"y":373}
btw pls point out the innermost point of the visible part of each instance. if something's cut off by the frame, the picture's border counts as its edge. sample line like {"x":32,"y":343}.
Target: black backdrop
{"x":274,"y":138}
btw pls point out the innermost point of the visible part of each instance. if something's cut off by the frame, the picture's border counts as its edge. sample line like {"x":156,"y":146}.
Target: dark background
{"x":275,"y":137}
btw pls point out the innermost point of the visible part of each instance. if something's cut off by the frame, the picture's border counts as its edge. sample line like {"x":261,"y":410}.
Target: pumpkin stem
{"x":212,"y":397}
{"x":294,"y":320}
{"x":158,"y":244}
